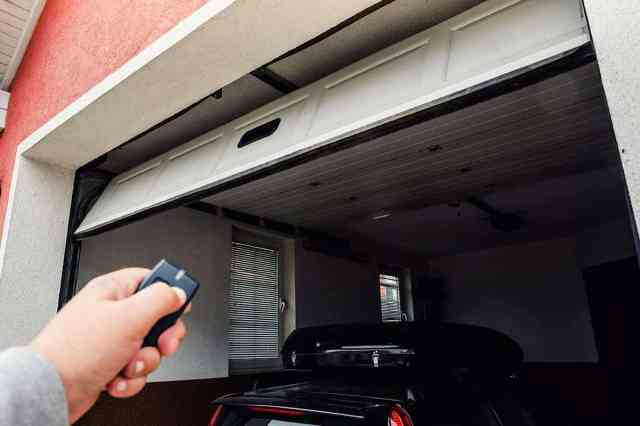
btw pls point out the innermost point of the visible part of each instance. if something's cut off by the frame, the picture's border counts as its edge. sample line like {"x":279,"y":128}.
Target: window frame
{"x":258,"y":365}
{"x":393,"y":272}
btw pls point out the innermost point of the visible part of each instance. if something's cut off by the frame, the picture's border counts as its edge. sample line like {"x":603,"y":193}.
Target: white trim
{"x":4,"y":99}
{"x":223,"y":35}
{"x":4,"y":106}
{"x":147,"y":55}
{"x":6,"y":225}
{"x":23,"y":42}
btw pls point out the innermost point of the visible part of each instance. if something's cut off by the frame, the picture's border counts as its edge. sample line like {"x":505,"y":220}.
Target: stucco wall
{"x":615,"y":33}
{"x":76,"y":44}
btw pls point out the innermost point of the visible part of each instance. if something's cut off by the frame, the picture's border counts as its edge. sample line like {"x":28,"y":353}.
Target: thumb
{"x":146,"y":307}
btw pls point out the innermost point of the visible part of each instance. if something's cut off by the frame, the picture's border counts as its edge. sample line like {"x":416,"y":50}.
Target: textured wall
{"x":615,"y":31}
{"x":76,"y":44}
{"x":27,"y":308}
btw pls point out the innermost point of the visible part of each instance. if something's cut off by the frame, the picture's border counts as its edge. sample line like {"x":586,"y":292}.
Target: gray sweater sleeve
{"x":31,"y":391}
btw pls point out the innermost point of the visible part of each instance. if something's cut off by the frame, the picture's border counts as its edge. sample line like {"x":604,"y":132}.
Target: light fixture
{"x":381,"y":215}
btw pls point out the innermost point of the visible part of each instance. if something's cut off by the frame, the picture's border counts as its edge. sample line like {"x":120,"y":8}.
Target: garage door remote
{"x":175,"y":277}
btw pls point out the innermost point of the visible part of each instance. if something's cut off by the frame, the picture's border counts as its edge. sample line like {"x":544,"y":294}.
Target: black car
{"x":388,"y":375}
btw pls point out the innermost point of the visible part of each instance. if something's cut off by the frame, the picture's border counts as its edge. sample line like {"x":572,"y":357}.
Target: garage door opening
{"x":498,"y":202}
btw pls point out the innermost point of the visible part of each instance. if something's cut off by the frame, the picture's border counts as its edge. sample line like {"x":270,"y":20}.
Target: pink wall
{"x":76,"y":44}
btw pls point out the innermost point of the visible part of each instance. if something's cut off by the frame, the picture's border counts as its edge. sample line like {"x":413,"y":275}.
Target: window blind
{"x":390,"y":297}
{"x":253,"y":303}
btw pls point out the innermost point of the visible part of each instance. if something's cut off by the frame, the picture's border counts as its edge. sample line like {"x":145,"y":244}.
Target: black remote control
{"x":174,"y":277}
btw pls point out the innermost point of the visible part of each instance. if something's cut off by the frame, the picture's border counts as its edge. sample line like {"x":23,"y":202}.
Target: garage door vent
{"x":263,"y":131}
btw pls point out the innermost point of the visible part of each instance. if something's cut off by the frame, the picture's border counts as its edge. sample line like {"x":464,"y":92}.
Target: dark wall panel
{"x":182,"y":403}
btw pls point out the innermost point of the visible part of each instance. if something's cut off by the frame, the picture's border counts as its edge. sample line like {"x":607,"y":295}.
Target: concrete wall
{"x":197,"y":241}
{"x":331,"y":290}
{"x":28,"y":295}
{"x":534,"y":292}
{"x":615,"y":33}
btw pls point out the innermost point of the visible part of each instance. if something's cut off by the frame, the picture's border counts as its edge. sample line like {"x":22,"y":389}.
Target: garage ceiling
{"x":382,"y":28}
{"x":558,"y":127}
{"x":554,"y":208}
{"x":546,"y":151}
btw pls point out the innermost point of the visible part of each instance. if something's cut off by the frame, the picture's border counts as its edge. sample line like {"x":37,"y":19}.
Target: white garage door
{"x":494,"y":40}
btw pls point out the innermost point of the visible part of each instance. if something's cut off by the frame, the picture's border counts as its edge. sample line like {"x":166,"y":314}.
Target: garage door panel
{"x":129,"y":189}
{"x":287,"y":118}
{"x":497,"y":32}
{"x":189,"y":164}
{"x":387,"y":80}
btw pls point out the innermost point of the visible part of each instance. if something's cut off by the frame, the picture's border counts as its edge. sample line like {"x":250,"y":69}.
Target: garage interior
{"x":504,"y":208}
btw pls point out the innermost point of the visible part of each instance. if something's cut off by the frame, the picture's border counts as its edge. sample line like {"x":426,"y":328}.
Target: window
{"x":254,"y":329}
{"x":390,"y":297}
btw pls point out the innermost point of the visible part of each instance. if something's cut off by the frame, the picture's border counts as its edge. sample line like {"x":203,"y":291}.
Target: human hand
{"x":95,"y":340}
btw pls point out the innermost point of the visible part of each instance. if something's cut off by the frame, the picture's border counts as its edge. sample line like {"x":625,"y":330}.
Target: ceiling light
{"x":381,"y":215}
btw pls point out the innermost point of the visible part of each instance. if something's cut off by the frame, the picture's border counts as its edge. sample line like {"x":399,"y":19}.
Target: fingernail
{"x":181,"y":294}
{"x":121,"y":386}
{"x":138,"y":367}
